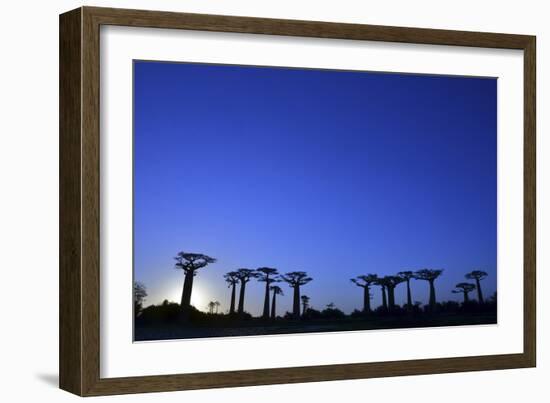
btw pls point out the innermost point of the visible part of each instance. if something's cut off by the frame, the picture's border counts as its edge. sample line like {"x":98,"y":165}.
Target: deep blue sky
{"x":335,"y":173}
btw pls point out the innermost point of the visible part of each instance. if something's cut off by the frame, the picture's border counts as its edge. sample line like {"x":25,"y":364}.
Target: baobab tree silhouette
{"x":266,"y":275}
{"x":407,"y":275}
{"x":295,"y":280}
{"x":244,"y":276}
{"x":231,"y":279}
{"x":276,"y":291}
{"x":381,"y":281}
{"x":391,"y":282}
{"x":305,"y":303}
{"x":190,"y":263}
{"x":429,"y":275}
{"x":477,"y":275}
{"x":365,"y":281}
{"x":211,"y":306}
{"x":464,"y":289}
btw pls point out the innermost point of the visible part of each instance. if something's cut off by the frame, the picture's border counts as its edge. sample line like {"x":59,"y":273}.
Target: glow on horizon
{"x":171,"y":292}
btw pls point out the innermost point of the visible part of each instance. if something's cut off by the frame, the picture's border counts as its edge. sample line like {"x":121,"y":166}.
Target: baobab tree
{"x":231,"y":279}
{"x":305,"y":303}
{"x":217,"y":305}
{"x":407,"y":276}
{"x":477,"y":275}
{"x":190,"y":263}
{"x":276,"y":290}
{"x":464,"y":289}
{"x":391,"y":282}
{"x":295,"y":280}
{"x":266,"y":275}
{"x":429,"y":275}
{"x":244,"y":276}
{"x":365,"y":282}
{"x":381,"y":281}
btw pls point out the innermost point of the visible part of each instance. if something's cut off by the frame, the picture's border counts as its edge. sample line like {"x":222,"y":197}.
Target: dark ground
{"x":182,"y":330}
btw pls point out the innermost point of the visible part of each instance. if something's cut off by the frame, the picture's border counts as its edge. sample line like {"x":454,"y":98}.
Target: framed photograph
{"x":249,"y":201}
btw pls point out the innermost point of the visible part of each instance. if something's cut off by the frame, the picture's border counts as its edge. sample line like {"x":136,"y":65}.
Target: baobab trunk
{"x":391,"y":298}
{"x":366,"y":300}
{"x":296,"y":305}
{"x":232,"y":305}
{"x":241,"y":298}
{"x":432,"y":295}
{"x":273,"y":309}
{"x":384,"y":300}
{"x":187,"y":287}
{"x":479,"y":293}
{"x":266,"y":301}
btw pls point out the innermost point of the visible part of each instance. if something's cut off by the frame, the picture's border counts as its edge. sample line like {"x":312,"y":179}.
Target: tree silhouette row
{"x":190,"y":263}
{"x":388,"y":284}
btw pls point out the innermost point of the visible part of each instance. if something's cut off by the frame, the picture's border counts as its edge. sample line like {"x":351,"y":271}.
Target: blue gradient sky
{"x":331,"y":172}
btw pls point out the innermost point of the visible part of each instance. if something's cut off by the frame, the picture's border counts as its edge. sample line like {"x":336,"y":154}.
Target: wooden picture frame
{"x":79,"y":201}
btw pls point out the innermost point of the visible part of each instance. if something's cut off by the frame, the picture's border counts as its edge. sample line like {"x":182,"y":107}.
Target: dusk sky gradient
{"x":336,"y":173}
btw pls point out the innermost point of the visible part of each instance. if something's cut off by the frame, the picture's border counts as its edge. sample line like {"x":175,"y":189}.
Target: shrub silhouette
{"x":331,"y":312}
{"x":288,"y":316}
{"x":167,"y":312}
{"x":416,"y":307}
{"x":448,"y":306}
{"x":140,"y":293}
{"x":489,"y":304}
{"x":356,"y":314}
{"x":312,"y":314}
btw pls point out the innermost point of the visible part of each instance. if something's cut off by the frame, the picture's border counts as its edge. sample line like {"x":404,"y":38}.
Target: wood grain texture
{"x":529,"y":202}
{"x":90,"y":202}
{"x":221,"y":23}
{"x":70,"y":314}
{"x":79,"y":200}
